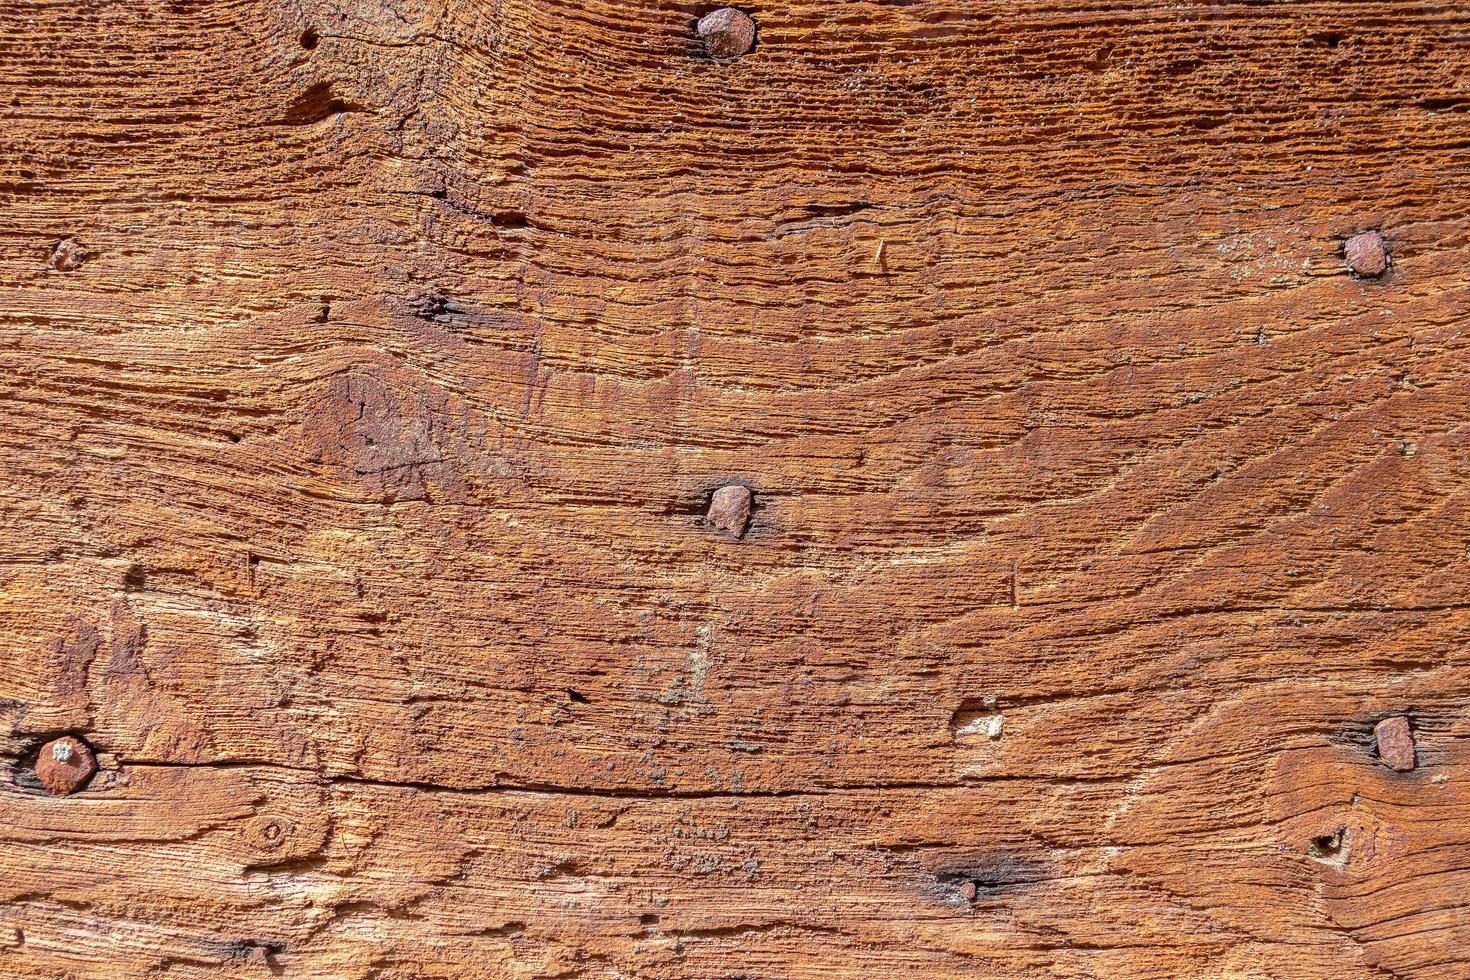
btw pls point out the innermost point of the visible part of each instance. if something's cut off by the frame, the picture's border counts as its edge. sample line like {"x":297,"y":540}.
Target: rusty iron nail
{"x":1366,"y":254}
{"x":729,"y":510}
{"x":727,"y":32}
{"x":66,"y":255}
{"x":65,"y":765}
{"x":1395,"y":743}
{"x":968,"y":891}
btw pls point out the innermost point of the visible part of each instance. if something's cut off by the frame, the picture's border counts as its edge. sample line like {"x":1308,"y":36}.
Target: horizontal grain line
{"x":637,"y":795}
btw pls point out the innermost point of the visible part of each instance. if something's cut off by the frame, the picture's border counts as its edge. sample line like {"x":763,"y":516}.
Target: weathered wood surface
{"x":358,"y":439}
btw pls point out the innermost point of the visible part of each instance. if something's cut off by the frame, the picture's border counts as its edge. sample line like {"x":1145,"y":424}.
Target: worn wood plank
{"x":360,"y":432}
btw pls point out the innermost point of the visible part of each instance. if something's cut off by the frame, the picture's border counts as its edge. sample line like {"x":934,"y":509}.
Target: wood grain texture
{"x":359,"y":436}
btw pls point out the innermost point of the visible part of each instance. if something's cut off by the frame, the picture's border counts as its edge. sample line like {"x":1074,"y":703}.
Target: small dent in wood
{"x":270,"y":832}
{"x":317,"y":104}
{"x":135,"y":579}
{"x":976,"y":719}
{"x":257,"y":953}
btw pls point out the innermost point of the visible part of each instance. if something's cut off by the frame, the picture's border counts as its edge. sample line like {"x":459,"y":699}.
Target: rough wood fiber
{"x":368,"y":366}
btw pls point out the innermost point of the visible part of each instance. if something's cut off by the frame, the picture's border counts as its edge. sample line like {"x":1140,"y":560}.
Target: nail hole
{"x":310,"y":39}
{"x":510,"y":219}
{"x":1330,"y":848}
{"x":836,"y":210}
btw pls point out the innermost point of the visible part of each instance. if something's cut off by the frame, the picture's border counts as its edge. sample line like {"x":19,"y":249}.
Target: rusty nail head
{"x":727,"y":32}
{"x":729,"y":510}
{"x":969,"y":890}
{"x":1366,"y":254}
{"x":66,"y":255}
{"x":1395,"y":743}
{"x":65,"y":765}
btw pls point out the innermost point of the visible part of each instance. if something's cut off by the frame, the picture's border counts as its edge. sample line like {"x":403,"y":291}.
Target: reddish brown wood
{"x":370,"y":367}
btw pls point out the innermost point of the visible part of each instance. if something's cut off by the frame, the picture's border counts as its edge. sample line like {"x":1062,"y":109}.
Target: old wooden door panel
{"x":369,"y":366}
